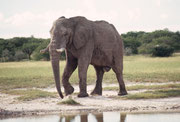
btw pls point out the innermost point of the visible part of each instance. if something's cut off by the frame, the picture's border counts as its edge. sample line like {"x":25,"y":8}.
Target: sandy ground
{"x":10,"y":106}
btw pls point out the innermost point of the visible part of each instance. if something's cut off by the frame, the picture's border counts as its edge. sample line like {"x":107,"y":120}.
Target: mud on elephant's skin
{"x":86,"y":42}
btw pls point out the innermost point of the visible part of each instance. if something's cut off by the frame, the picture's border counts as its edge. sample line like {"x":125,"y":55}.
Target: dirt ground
{"x":10,"y":106}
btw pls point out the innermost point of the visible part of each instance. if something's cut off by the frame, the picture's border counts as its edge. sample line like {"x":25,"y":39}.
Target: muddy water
{"x":102,"y":117}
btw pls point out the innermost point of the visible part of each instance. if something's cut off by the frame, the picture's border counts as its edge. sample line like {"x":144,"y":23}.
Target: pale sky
{"x":35,"y":17}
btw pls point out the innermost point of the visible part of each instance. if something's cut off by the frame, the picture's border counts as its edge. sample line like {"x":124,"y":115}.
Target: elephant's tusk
{"x":60,"y":50}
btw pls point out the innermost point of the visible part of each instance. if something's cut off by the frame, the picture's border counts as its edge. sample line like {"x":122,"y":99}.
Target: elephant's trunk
{"x":55,"y":66}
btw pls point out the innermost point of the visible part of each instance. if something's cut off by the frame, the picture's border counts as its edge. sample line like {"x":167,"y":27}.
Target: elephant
{"x":85,"y":42}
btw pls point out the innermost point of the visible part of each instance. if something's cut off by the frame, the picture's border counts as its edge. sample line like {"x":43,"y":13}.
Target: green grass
{"x":69,"y":101}
{"x":25,"y":75}
{"x":31,"y":94}
{"x":137,"y":68}
{"x":141,"y":68}
{"x":159,"y":91}
{"x":154,"y":94}
{"x":148,"y":87}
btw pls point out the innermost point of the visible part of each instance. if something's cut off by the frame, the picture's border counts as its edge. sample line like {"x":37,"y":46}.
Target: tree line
{"x":156,"y":43}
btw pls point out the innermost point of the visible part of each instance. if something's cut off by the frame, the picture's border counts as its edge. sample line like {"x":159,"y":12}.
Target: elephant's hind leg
{"x":69,"y":69}
{"x":99,"y":74}
{"x":119,"y":76}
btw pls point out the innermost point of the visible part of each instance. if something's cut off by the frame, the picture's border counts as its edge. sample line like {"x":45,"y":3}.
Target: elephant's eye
{"x":64,"y":34}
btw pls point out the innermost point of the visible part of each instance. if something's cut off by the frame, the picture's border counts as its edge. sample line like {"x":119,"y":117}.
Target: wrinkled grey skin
{"x":86,"y":42}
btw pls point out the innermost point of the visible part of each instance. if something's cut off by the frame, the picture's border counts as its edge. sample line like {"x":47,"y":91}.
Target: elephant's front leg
{"x":71,"y":65}
{"x":82,"y":70}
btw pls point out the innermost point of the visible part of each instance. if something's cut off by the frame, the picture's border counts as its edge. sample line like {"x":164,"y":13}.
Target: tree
{"x":19,"y":55}
{"x":2,"y":46}
{"x":39,"y":56}
{"x":6,"y":56}
{"x":131,"y":43}
{"x":160,"y":37}
{"x":28,"y":49}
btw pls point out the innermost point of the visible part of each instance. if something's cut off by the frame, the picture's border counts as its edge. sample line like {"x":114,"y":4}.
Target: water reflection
{"x":103,"y":117}
{"x":123,"y":117}
{"x":99,"y":117}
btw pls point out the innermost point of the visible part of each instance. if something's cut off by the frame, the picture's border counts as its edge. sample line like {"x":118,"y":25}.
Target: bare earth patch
{"x":10,"y":105}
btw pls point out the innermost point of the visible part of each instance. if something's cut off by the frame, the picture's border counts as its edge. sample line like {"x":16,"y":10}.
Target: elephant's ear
{"x":80,"y":37}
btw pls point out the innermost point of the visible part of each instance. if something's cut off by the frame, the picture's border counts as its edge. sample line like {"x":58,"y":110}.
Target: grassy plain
{"x":38,"y":74}
{"x":30,"y":94}
{"x":162,"y":93}
{"x":146,"y":87}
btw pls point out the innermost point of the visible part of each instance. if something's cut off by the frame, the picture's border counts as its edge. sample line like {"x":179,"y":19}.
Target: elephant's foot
{"x":83,"y":94}
{"x":96,"y":92}
{"x":69,"y":90}
{"x":122,"y":93}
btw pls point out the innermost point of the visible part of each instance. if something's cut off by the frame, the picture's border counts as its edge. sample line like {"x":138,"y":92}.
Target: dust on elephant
{"x":86,"y":42}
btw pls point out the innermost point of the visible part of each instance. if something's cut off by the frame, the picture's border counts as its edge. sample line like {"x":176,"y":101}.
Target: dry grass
{"x":31,"y":94}
{"x":154,"y":94}
{"x":148,"y":87}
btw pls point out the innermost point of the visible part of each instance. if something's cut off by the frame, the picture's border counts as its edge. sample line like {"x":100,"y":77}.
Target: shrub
{"x":19,"y":55}
{"x":146,"y":49}
{"x":127,"y":51}
{"x":162,"y":51}
{"x":6,"y":56}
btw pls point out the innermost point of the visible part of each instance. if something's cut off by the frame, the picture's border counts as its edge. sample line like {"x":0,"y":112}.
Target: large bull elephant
{"x":86,"y":42}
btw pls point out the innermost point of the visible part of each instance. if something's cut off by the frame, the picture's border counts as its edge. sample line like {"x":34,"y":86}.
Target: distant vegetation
{"x":160,"y":43}
{"x":22,"y":48}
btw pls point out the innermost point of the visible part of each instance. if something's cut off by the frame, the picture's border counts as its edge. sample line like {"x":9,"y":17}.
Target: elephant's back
{"x":107,"y":43}
{"x":105,"y":36}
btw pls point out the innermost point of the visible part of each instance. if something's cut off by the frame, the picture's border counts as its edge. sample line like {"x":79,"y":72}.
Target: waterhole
{"x":101,"y":117}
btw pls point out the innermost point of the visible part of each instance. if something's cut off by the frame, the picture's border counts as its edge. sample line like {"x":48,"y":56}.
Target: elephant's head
{"x":59,"y":38}
{"x":60,"y":34}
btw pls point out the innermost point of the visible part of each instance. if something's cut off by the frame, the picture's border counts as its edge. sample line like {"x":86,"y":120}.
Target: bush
{"x":19,"y":55}
{"x":127,"y":51}
{"x":162,"y":51}
{"x":146,"y":49}
{"x":6,"y":56}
